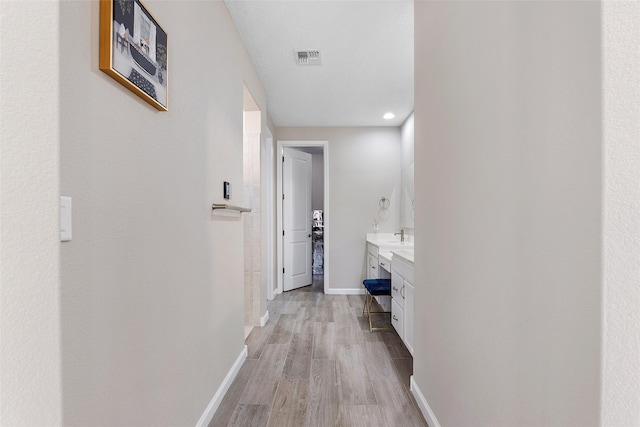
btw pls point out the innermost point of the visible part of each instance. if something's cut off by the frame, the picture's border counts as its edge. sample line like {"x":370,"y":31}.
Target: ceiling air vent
{"x":307,"y":57}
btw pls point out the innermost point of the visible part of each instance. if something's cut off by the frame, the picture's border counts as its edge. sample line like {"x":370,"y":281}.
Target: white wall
{"x":268,"y":220}
{"x":152,"y":283}
{"x":407,"y":132}
{"x":317,"y":182}
{"x":508,"y":240}
{"x":30,"y":391}
{"x":621,"y":222}
{"x":317,"y":176}
{"x":364,"y":165}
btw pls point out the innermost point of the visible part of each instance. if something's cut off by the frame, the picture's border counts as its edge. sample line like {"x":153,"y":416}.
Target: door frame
{"x":279,"y":153}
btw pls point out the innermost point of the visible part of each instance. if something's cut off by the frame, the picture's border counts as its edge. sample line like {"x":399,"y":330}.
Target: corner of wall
{"x":31,"y":392}
{"x":620,"y":371}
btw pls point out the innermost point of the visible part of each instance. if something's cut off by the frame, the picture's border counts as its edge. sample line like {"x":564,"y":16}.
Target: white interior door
{"x":296,"y":218}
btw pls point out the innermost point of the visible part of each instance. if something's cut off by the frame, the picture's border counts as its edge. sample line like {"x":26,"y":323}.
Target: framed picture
{"x":133,"y":50}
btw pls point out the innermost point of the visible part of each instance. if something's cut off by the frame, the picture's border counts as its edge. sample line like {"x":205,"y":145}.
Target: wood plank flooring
{"x":316,"y":364}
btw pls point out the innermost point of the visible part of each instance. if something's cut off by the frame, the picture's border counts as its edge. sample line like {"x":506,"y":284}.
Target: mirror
{"x":407,"y":214}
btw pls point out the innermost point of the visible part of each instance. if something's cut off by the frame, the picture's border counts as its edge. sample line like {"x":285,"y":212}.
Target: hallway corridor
{"x":315,"y":363}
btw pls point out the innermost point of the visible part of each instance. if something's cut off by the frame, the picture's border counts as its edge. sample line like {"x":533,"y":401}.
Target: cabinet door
{"x":409,"y":320}
{"x":397,"y":317}
{"x":372,"y":267}
{"x":397,"y":282}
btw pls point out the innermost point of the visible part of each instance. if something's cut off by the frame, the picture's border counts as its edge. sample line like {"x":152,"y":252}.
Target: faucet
{"x":401,"y":233}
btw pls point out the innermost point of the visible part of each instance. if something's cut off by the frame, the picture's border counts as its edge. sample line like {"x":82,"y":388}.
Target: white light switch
{"x":65,"y":218}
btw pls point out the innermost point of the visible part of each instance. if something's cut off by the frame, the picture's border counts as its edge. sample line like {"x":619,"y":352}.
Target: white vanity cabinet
{"x":397,"y":303}
{"x":402,"y":298}
{"x":408,"y":315}
{"x":372,"y":261}
{"x":378,"y":267}
{"x":379,"y":247}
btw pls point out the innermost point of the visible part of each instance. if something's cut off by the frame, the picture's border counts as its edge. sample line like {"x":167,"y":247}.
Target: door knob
{"x":309,"y":235}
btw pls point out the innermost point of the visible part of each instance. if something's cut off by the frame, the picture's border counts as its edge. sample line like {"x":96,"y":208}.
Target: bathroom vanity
{"x":402,"y":295}
{"x":380,"y":247}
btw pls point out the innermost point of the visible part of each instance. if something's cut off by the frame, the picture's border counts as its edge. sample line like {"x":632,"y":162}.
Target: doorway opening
{"x":317,"y":216}
{"x":251,"y":174}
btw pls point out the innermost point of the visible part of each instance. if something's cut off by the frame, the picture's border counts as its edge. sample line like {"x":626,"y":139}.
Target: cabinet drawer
{"x":384,"y":264}
{"x":372,"y":267}
{"x":402,"y":268}
{"x":396,"y":289}
{"x":397,"y":317}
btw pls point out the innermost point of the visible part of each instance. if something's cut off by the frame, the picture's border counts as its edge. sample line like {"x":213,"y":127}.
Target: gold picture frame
{"x":133,"y":50}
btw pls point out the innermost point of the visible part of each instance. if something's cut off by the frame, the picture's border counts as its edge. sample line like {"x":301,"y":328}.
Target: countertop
{"x":405,"y":255}
{"x":389,"y":241}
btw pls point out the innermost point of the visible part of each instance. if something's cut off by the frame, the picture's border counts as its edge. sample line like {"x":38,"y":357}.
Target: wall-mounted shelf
{"x":229,"y":207}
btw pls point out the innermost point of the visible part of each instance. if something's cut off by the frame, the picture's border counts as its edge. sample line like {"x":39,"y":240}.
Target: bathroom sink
{"x":392,"y":243}
{"x":407,"y":254}
{"x":388,"y":241}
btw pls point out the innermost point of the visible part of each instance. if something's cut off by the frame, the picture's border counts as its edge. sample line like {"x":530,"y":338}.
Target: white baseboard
{"x":264,"y":319}
{"x":207,"y":416}
{"x":428,"y":414}
{"x":344,"y":291}
{"x":271,"y":295}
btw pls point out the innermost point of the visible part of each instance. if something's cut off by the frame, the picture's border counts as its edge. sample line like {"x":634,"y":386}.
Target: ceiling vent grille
{"x":308,"y":57}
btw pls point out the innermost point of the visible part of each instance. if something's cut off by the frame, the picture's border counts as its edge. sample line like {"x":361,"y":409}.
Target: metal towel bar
{"x":229,"y":207}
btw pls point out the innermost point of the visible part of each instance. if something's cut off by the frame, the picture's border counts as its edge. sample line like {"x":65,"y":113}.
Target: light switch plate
{"x":65,"y":218}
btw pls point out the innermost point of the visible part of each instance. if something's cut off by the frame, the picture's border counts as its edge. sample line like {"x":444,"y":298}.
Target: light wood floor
{"x":315,"y":363}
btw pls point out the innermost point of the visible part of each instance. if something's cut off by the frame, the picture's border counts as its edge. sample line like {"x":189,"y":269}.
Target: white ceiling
{"x":366,"y":53}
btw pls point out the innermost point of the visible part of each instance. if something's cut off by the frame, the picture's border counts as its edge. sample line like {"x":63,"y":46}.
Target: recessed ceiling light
{"x":388,"y":116}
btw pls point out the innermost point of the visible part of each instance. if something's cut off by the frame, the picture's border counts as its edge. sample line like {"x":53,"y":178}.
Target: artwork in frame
{"x":133,"y":50}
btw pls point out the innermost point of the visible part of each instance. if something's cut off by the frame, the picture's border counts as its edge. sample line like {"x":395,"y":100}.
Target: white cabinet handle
{"x":395,"y":318}
{"x":402,"y":291}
